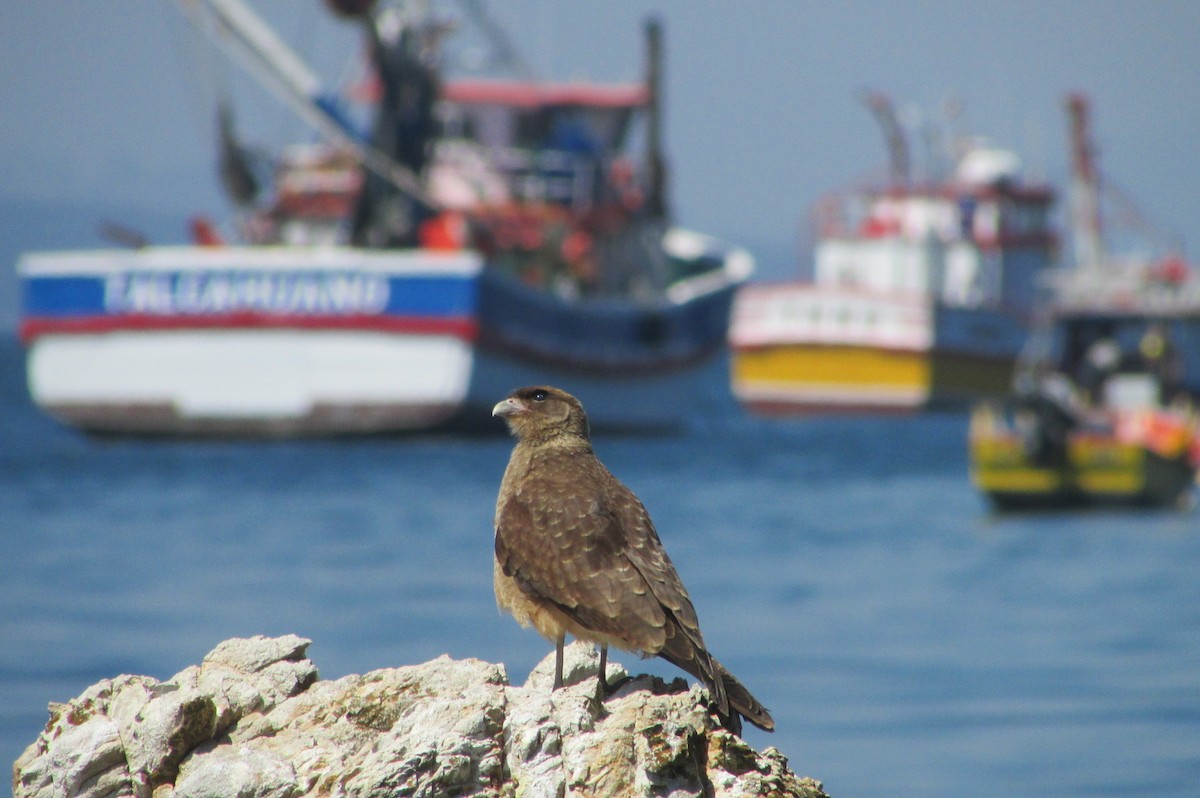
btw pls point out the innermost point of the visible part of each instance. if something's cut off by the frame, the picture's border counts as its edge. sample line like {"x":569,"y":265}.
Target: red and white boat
{"x":922,"y":294}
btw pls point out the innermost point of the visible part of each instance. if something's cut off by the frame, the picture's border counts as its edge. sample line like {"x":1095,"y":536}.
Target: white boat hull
{"x":278,"y":341}
{"x":273,"y":381}
{"x":271,"y":341}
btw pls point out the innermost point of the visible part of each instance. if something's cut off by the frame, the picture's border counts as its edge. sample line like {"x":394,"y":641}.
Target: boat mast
{"x":1085,"y":187}
{"x":899,"y":168}
{"x":656,"y":162}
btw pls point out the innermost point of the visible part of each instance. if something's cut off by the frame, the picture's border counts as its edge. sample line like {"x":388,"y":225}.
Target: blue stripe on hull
{"x":206,"y":292}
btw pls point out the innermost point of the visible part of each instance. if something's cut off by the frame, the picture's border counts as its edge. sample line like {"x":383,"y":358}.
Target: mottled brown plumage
{"x":577,"y":553}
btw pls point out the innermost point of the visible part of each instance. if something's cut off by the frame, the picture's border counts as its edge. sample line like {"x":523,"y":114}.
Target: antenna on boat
{"x":899,"y":165}
{"x":1085,"y":186}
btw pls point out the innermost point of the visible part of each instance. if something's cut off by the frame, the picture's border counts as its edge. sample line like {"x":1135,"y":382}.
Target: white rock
{"x":86,"y":760}
{"x":253,"y":721}
{"x":242,"y":772}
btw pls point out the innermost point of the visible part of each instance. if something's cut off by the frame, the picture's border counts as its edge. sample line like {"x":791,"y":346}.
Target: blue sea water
{"x":908,"y":641}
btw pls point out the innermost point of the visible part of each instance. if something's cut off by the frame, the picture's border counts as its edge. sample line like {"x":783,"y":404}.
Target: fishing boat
{"x":921,"y":296}
{"x":487,"y":232}
{"x":1103,"y":410}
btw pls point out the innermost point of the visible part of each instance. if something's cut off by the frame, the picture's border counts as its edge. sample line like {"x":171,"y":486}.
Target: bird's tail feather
{"x":742,"y":702}
{"x":733,"y":700}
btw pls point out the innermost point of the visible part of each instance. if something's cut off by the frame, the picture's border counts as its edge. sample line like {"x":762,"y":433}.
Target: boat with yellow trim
{"x":922,"y":293}
{"x":1104,"y":408}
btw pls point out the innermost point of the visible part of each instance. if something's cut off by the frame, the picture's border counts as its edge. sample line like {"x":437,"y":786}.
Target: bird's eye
{"x":539,"y":396}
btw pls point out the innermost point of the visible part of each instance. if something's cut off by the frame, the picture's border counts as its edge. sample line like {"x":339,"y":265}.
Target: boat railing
{"x":1131,"y":285}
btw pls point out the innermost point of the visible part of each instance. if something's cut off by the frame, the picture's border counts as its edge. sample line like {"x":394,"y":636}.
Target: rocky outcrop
{"x":254,"y":721}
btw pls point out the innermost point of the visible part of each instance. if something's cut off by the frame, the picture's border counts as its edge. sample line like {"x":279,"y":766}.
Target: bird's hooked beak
{"x":508,"y":407}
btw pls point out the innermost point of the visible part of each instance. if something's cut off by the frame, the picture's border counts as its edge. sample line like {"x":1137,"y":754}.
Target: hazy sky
{"x":110,"y":100}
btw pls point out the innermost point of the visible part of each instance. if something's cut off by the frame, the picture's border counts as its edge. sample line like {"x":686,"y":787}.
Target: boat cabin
{"x":978,"y":239}
{"x":556,"y":143}
{"x":1116,"y":360}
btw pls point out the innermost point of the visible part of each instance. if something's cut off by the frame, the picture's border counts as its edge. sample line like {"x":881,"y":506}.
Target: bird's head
{"x":542,"y":412}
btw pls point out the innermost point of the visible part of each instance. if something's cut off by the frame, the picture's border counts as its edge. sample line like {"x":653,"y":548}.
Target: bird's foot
{"x":597,"y":700}
{"x":596,"y":704}
{"x":604,"y":689}
{"x":607,"y":688}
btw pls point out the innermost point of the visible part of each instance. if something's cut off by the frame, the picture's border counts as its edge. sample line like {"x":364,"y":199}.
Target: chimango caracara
{"x":576,"y":553}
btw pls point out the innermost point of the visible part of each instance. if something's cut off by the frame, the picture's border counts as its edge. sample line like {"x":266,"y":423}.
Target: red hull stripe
{"x":460,"y":327}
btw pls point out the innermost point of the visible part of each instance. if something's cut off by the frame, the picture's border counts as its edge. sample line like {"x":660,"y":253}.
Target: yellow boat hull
{"x":809,"y":377}
{"x":1095,"y":468}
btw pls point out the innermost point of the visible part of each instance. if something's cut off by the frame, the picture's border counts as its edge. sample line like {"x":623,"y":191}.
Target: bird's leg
{"x":604,"y":688}
{"x":602,"y":675}
{"x":558,"y":662}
